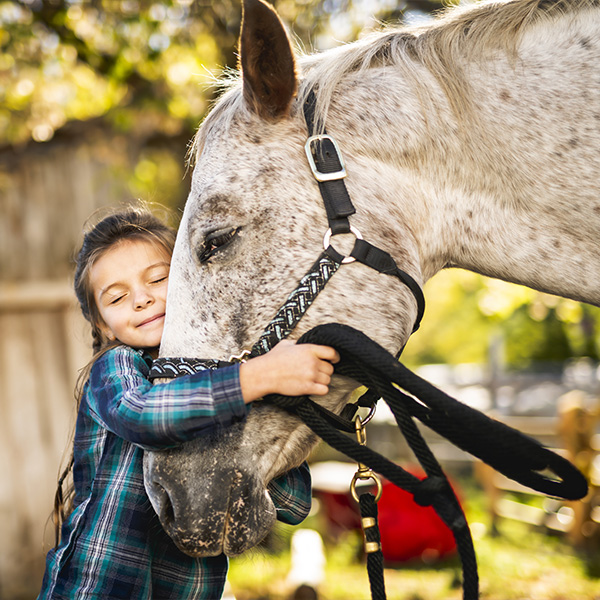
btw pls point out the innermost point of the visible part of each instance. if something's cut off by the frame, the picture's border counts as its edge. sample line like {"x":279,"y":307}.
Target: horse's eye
{"x":215,"y":241}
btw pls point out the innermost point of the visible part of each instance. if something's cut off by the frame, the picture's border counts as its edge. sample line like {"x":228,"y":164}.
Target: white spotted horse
{"x":472,"y":141}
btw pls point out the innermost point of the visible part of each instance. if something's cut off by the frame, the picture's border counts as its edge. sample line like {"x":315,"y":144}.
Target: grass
{"x":520,"y":564}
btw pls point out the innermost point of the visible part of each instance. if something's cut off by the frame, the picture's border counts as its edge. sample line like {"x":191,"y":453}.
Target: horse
{"x":472,"y":141}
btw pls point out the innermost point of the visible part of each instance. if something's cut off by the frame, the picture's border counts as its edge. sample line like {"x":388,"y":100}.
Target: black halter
{"x":328,"y":168}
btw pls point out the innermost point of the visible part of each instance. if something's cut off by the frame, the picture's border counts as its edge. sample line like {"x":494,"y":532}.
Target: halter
{"x":327,"y":166}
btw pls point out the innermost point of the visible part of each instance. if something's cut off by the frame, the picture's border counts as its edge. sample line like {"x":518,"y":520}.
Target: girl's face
{"x":129,"y":282}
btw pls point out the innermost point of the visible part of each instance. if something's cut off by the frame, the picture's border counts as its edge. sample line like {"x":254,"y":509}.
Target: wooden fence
{"x":44,"y":342}
{"x":47,"y":192}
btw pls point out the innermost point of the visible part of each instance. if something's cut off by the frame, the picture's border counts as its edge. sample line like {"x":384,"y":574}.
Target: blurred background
{"x":98,"y":102}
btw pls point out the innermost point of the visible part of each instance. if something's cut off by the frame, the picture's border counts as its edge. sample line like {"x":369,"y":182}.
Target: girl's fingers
{"x":325,"y":367}
{"x":327,"y":353}
{"x":320,"y":390}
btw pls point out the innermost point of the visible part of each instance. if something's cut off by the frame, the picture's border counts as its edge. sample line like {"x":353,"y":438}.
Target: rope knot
{"x":427,"y":490}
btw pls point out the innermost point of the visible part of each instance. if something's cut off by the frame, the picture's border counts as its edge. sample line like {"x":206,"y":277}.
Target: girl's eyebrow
{"x":162,"y":263}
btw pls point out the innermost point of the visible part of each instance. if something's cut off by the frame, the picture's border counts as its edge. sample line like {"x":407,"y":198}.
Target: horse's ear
{"x":266,"y":61}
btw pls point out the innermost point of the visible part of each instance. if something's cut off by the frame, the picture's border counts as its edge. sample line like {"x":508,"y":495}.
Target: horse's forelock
{"x":228,"y":103}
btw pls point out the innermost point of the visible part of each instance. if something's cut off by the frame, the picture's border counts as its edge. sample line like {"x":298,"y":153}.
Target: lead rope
{"x":368,"y":515}
{"x":519,"y":457}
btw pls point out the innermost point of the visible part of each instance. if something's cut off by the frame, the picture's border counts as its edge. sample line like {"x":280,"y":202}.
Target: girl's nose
{"x":143,"y":299}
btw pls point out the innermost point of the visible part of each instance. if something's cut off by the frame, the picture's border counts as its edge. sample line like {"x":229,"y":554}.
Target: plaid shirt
{"x":113,"y":545}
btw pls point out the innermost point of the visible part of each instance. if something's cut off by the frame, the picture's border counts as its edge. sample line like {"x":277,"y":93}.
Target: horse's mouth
{"x":241,"y":524}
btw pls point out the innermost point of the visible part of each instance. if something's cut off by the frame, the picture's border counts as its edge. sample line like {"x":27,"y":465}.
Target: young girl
{"x":112,"y":543}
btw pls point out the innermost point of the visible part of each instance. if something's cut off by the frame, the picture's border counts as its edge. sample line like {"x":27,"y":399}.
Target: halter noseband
{"x":327,"y":165}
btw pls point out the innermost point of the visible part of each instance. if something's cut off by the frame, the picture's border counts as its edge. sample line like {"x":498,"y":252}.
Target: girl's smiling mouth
{"x":151,"y":320}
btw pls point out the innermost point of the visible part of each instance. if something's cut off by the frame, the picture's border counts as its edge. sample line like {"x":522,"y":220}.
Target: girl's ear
{"x":106,"y":331}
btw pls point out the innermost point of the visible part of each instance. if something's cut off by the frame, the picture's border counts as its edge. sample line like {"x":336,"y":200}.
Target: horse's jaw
{"x":211,"y":494}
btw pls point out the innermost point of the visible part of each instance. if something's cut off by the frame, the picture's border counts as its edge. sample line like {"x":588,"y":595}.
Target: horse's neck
{"x":552,"y":251}
{"x":512,"y":193}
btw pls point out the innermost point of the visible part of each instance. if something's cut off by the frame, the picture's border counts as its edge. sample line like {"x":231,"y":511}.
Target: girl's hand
{"x":289,"y":369}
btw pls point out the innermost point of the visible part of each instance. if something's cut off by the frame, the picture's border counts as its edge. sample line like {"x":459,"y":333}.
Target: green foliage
{"x":65,"y":60}
{"x":139,"y":61}
{"x":467,"y":314}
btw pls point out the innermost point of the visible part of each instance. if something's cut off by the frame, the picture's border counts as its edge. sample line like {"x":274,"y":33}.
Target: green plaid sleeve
{"x":153,"y":416}
{"x":291,"y":494}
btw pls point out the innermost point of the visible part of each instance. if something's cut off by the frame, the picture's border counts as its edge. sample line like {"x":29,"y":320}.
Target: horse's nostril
{"x":162,"y":504}
{"x":167,"y":515}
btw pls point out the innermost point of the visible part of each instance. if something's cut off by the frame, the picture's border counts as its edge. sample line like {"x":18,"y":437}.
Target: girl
{"x":112,"y":543}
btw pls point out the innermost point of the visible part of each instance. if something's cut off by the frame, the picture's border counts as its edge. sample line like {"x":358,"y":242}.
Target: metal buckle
{"x":363,"y":472}
{"x":319,"y":175}
{"x":327,"y":237}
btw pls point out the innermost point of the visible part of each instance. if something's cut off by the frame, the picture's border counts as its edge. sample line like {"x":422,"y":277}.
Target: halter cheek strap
{"x":327,"y":165}
{"x":328,"y":168}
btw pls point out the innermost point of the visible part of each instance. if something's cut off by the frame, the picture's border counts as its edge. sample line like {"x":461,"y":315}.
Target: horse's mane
{"x":456,"y":36}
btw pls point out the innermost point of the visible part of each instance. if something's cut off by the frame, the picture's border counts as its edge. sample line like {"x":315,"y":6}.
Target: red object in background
{"x":408,"y":530}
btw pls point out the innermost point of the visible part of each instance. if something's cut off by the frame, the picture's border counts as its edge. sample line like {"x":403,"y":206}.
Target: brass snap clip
{"x":363,"y":472}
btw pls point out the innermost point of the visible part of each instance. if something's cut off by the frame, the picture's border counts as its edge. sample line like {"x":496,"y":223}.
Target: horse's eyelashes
{"x":216,"y":241}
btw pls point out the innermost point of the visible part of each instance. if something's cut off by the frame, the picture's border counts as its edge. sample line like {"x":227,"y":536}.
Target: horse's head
{"x":253,"y":225}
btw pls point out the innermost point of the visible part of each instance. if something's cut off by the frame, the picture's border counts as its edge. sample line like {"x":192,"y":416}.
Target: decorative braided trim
{"x":170,"y":368}
{"x":297,"y":304}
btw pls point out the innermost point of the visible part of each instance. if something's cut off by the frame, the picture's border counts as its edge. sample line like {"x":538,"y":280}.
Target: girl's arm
{"x":165,"y":414}
{"x":291,"y":494}
{"x":125,"y":402}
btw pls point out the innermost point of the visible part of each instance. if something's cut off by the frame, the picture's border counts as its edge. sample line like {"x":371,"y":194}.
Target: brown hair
{"x":135,"y":222}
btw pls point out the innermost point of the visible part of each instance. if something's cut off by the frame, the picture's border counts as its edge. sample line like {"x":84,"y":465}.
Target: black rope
{"x":505,"y":449}
{"x":368,"y":513}
{"x":517,"y":456}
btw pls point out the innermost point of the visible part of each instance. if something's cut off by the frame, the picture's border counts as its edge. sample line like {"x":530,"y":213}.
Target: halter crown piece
{"x":507,"y":450}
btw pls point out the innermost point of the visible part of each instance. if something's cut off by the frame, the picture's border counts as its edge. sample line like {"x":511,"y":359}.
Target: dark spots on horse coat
{"x":505,"y":96}
{"x":253,"y":138}
{"x":268,"y":171}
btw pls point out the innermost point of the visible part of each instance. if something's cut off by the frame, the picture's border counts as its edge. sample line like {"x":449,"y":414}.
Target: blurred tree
{"x":143,"y":67}
{"x":142,"y":63}
{"x":466,"y":312}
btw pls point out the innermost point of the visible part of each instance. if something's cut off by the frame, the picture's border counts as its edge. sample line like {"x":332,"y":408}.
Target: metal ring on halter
{"x":327,"y":237}
{"x":366,"y":476}
{"x":370,"y":414}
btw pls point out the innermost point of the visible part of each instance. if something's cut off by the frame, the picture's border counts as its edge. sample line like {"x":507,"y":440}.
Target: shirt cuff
{"x":227,"y":395}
